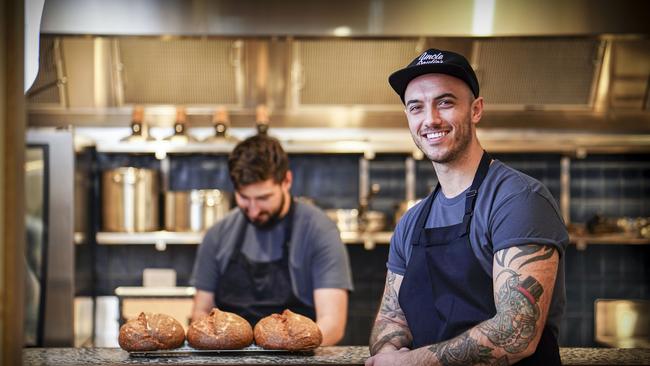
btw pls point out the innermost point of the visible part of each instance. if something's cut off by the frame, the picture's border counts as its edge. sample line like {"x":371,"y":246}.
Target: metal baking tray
{"x":189,"y":351}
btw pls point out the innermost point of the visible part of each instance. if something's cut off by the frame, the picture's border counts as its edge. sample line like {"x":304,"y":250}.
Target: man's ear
{"x":477,"y":110}
{"x":288,"y":180}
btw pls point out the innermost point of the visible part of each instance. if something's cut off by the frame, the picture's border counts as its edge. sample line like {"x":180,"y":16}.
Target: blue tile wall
{"x":600,"y":272}
{"x":610,"y":186}
{"x":111,"y":161}
{"x":198,"y":171}
{"x":122,"y":265}
{"x":332,"y":180}
{"x":425,"y":178}
{"x":389,"y":171}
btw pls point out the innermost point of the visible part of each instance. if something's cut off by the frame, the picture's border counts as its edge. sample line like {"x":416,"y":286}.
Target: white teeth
{"x":435,"y":135}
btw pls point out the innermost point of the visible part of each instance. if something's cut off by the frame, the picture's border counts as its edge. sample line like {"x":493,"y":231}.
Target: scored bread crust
{"x":150,"y":332}
{"x":287,"y":331}
{"x":220,"y":330}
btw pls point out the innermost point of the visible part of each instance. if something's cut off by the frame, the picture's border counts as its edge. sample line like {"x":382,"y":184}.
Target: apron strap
{"x":470,"y":199}
{"x":481,"y":172}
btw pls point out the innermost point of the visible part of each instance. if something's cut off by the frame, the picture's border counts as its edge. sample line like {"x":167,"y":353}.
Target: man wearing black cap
{"x":475,"y":270}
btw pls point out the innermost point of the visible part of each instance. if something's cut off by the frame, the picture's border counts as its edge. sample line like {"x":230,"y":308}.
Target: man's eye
{"x":445,"y":103}
{"x":414,"y":108}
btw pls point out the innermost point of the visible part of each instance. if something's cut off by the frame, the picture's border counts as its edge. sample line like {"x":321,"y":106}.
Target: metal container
{"x":350,"y":220}
{"x":130,"y":200}
{"x":195,"y":210}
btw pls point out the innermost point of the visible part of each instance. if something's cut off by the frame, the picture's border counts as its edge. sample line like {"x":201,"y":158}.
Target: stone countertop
{"x":340,"y":355}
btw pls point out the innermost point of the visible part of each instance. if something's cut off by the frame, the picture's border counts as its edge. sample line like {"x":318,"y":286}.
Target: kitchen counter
{"x":340,"y":355}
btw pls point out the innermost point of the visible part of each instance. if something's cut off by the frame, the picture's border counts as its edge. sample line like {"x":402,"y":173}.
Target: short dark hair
{"x":257,"y":159}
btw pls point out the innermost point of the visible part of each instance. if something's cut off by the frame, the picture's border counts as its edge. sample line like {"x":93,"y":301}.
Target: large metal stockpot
{"x":130,"y":199}
{"x":195,"y":210}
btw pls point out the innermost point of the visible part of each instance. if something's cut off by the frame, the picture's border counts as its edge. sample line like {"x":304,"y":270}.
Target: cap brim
{"x":400,"y":79}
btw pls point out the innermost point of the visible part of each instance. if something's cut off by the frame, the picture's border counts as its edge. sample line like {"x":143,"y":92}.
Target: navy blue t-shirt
{"x":511,"y":209}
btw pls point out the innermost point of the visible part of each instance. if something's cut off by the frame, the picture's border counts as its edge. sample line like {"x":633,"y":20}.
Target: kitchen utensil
{"x":130,"y":199}
{"x":195,"y":210}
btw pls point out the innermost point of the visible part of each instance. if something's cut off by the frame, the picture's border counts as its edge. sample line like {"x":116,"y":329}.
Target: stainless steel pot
{"x":195,"y":210}
{"x":130,"y":200}
{"x":350,"y":220}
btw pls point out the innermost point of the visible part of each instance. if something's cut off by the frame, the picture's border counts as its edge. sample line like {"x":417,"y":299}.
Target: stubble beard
{"x":461,"y":143}
{"x":273,"y":219}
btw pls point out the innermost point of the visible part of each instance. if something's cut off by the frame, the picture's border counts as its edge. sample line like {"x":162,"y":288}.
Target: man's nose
{"x":252,"y":209}
{"x":432,"y":116}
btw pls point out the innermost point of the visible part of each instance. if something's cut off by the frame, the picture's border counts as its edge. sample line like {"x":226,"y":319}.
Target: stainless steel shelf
{"x":166,"y":237}
{"x":138,"y":291}
{"x":386,"y":141}
{"x":368,"y":239}
{"x":169,"y":237}
{"x":581,"y":241}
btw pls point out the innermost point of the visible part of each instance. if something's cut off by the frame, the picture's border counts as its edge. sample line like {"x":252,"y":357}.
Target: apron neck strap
{"x":479,"y":176}
{"x":470,"y":195}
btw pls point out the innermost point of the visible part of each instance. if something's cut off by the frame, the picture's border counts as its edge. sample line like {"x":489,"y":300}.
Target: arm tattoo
{"x":390,"y":304}
{"x":542,"y":252}
{"x":465,"y":350}
{"x":515,"y":324}
{"x":398,"y":338}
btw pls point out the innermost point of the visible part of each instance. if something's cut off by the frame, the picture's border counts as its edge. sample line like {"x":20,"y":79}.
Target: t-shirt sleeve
{"x":397,"y":256}
{"x":329,"y":261}
{"x":205,"y":274}
{"x":527,"y":218}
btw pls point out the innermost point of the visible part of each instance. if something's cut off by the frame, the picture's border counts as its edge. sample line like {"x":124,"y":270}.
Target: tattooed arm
{"x":524,"y":278}
{"x":390,"y":331}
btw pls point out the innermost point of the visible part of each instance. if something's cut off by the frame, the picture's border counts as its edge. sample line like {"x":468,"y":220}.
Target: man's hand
{"x":390,"y":332}
{"x":202,"y":305}
{"x":400,"y":357}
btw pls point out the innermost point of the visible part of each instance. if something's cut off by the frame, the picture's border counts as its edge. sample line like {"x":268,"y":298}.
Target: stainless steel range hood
{"x":568,"y":68}
{"x":346,"y":18}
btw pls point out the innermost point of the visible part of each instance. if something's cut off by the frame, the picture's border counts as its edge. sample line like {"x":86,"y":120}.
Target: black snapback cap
{"x":433,"y":61}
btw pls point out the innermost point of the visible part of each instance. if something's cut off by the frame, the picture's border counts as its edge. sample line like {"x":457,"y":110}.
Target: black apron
{"x":258,"y":289}
{"x":445,"y":291}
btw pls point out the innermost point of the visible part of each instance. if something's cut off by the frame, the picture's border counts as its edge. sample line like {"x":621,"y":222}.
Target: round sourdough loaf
{"x":150,"y":332}
{"x":220,"y":330}
{"x":289,"y":331}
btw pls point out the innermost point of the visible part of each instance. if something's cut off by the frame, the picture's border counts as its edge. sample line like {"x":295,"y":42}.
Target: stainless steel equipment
{"x":195,"y":210}
{"x":49,"y":252}
{"x":130,"y":199}
{"x":350,"y":220}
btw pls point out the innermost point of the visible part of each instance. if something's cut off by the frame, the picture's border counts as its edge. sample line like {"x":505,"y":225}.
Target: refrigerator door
{"x":49,"y":251}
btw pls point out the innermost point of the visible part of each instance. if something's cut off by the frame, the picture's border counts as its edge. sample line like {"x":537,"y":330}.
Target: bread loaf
{"x":287,"y":331}
{"x":220,"y":330}
{"x":150,"y":332}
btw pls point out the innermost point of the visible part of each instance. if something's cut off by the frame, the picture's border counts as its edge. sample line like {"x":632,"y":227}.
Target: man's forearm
{"x":332,"y":330}
{"x":387,"y":335}
{"x":390,"y":331}
{"x":469,"y":348}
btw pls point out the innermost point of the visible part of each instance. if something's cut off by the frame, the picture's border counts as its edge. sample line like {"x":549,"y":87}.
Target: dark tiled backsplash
{"x":600,"y":271}
{"x":611,"y":186}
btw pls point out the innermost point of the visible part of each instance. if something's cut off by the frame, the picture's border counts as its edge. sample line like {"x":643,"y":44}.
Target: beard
{"x":273,"y":217}
{"x":462,"y":139}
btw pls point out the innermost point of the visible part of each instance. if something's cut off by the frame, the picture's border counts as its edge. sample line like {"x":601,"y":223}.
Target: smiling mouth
{"x":435,"y":135}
